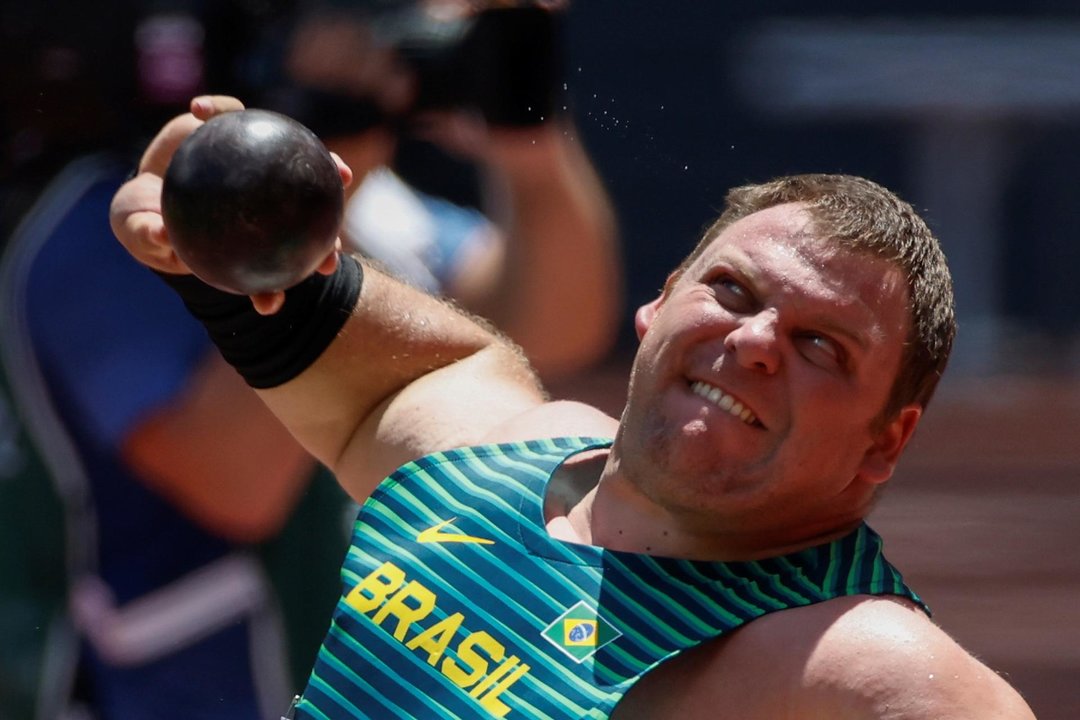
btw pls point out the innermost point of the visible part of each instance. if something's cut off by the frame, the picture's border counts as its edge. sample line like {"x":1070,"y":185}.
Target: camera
{"x":504,"y":62}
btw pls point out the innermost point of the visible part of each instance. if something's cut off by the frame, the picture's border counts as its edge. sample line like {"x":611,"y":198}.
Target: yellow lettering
{"x":503,"y":668}
{"x":472,"y":658}
{"x":491,"y":701}
{"x":380,"y":583}
{"x":406,"y":614}
{"x":437,"y":637}
{"x":386,"y":590}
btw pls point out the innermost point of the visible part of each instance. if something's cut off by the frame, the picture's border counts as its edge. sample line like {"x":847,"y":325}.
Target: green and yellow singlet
{"x":458,"y":603}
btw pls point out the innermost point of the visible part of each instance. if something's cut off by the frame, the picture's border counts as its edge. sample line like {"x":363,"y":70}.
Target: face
{"x":761,"y":371}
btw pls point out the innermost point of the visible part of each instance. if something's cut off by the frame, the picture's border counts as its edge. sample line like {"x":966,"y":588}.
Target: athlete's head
{"x":858,"y":214}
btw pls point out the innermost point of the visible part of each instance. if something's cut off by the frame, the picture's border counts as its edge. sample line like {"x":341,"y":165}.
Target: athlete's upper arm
{"x":487,"y":397}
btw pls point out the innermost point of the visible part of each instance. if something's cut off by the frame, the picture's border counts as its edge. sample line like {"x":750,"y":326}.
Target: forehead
{"x":784,"y":236}
{"x":778,"y":249}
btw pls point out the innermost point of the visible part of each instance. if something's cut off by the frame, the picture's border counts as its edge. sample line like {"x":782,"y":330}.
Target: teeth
{"x":723,"y":401}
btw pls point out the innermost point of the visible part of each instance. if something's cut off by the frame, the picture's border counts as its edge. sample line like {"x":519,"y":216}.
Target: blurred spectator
{"x":183,"y":560}
{"x":86,"y":381}
{"x":175,"y":481}
{"x":485,"y":89}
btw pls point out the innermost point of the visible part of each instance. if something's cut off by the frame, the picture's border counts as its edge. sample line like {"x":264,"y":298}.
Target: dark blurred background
{"x":971,"y":112}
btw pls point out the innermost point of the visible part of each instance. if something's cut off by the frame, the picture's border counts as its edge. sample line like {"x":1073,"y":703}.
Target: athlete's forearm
{"x":392,"y":379}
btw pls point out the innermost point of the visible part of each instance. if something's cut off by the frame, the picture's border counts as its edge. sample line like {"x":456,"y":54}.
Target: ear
{"x":889,"y":442}
{"x":644,"y":316}
{"x":646,"y":313}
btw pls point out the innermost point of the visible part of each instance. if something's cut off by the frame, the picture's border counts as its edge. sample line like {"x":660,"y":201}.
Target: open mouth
{"x":725,"y":402}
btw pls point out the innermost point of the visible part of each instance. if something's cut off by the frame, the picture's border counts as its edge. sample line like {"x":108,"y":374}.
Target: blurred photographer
{"x":483,"y":86}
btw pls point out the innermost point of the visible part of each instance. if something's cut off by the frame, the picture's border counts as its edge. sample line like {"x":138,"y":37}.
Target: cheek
{"x":830,"y":449}
{"x":831,"y":424}
{"x":653,"y":359}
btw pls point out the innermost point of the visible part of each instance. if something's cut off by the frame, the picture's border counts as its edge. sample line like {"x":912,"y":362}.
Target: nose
{"x":754,"y":342}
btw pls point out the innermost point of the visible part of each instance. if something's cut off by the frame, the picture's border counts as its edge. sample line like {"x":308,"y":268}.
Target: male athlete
{"x":704,"y":555}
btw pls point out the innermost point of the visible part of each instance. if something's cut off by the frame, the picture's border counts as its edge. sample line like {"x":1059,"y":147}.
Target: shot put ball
{"x":252,"y":202}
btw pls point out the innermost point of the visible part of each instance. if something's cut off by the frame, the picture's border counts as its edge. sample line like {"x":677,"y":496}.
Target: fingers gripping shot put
{"x":704,"y":555}
{"x":253,"y":202}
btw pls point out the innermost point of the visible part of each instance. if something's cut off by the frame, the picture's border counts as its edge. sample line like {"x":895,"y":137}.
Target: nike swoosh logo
{"x":435,"y":534}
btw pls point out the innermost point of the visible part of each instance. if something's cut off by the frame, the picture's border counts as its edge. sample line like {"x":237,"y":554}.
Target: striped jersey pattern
{"x":458,"y":604}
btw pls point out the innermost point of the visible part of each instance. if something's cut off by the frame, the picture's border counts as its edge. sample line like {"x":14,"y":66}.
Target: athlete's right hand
{"x":135,"y":212}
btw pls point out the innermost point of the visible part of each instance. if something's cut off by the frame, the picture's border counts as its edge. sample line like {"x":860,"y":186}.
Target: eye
{"x":732,"y":294}
{"x":822,"y":350}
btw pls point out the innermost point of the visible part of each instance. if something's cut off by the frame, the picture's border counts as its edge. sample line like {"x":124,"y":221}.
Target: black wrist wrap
{"x":269,"y":350}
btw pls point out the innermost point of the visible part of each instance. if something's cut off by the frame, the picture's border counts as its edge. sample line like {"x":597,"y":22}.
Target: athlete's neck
{"x":615,"y":515}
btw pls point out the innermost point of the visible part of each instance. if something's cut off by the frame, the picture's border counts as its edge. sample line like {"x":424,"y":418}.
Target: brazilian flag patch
{"x":580,"y":632}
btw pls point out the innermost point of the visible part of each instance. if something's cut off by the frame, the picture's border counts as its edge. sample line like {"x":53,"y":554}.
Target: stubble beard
{"x":699,"y":484}
{"x":654,"y":464}
{"x":657,"y":474}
